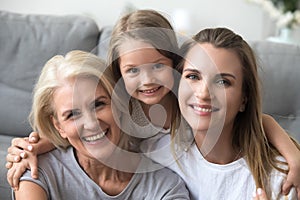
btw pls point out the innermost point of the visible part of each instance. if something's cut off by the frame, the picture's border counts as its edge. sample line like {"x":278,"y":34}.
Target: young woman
{"x":143,"y":53}
{"x":72,"y":108}
{"x":219,"y":98}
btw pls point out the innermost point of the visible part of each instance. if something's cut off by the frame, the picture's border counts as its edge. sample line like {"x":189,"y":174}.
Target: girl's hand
{"x":22,"y":155}
{"x":259,"y":194}
{"x":17,"y":169}
{"x":293,"y":180}
{"x":19,"y":147}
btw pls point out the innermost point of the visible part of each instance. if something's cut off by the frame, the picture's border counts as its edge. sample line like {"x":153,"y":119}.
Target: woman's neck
{"x":111,"y":181}
{"x":160,"y":114}
{"x":217,"y":147}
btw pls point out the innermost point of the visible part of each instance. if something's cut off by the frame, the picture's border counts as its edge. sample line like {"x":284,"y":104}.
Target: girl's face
{"x":84,"y":117}
{"x":147,"y":74}
{"x":210,"y":91}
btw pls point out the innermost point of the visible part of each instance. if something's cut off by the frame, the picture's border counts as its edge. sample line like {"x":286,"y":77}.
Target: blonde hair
{"x":57,"y":69}
{"x":248,"y":133}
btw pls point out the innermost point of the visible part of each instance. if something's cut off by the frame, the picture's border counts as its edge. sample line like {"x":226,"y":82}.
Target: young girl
{"x":143,"y":53}
{"x":219,"y":85}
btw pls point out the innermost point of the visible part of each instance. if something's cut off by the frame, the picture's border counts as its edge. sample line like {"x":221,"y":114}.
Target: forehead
{"x":131,"y":45}
{"x":139,"y":52}
{"x":76,"y":90}
{"x":209,"y":59}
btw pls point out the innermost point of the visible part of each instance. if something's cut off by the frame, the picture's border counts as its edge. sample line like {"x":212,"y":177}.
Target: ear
{"x":243,"y":105}
{"x":58,"y":127}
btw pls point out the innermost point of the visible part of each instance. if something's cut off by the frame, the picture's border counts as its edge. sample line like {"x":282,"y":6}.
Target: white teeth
{"x":94,"y":137}
{"x":150,"y":91}
{"x":202,"y":109}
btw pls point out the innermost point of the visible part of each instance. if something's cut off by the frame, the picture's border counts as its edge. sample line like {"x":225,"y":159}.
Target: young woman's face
{"x":210,"y":91}
{"x":147,"y":74}
{"x":84,"y":117}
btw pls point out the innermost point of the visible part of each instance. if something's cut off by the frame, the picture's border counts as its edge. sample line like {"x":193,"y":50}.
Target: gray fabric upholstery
{"x":26,"y":43}
{"x":103,"y":44}
{"x":280,"y":74}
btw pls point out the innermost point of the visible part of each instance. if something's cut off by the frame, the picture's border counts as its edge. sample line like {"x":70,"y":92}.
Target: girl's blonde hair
{"x":248,"y":132}
{"x":58,"y":69}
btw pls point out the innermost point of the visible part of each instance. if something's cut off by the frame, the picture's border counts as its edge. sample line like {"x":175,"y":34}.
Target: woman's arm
{"x":281,"y":140}
{"x":31,"y":191}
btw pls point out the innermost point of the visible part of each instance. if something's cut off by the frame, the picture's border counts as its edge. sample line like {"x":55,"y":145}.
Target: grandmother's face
{"x":85,"y":118}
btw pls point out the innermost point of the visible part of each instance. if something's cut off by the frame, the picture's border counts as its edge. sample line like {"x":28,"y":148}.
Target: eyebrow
{"x":220,"y":75}
{"x":191,"y":70}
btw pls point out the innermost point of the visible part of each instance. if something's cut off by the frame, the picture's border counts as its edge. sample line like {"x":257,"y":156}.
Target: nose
{"x":90,"y":121}
{"x":147,"y":75}
{"x":203,"y":91}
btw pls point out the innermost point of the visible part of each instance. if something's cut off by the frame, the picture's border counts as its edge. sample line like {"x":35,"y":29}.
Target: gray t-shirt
{"x":62,"y":178}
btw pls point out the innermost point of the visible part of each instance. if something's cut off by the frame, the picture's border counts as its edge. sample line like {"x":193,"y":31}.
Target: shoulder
{"x":164,"y":183}
{"x":162,"y":174}
{"x":58,"y":156}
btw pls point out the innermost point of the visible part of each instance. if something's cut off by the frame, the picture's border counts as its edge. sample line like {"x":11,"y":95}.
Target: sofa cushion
{"x":280,"y":74}
{"x":27,"y":42}
{"x":104,"y":40}
{"x":5,"y":189}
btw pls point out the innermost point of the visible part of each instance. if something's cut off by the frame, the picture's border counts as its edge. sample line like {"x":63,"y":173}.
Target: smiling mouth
{"x":94,"y":138}
{"x":150,"y":91}
{"x":202,"y":109}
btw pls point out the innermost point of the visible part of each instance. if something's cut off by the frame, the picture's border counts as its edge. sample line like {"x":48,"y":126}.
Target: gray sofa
{"x":28,"y":41}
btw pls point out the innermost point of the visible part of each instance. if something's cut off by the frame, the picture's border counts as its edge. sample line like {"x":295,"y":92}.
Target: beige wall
{"x":244,"y":18}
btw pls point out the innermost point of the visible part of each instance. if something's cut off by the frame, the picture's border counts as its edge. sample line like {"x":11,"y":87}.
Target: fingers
{"x":18,"y":144}
{"x":14,"y":174}
{"x":286,"y":187}
{"x":17,"y":169}
{"x":34,"y":169}
{"x":13,"y":158}
{"x":34,"y":137}
{"x":8,"y":165}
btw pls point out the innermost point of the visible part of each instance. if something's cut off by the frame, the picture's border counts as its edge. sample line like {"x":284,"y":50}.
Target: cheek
{"x":184,"y":92}
{"x":169,"y":79}
{"x":130,"y":84}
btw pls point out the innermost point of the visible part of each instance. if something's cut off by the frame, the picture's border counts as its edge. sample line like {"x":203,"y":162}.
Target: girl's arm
{"x":22,"y":155}
{"x":31,"y":191}
{"x":281,"y":140}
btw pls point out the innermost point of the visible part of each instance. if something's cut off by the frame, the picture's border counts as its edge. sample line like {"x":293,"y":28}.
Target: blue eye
{"x":192,"y":77}
{"x":133,"y":70}
{"x":223,"y":82}
{"x":158,"y":66}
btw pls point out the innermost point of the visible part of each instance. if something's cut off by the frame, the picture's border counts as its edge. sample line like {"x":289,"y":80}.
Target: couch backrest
{"x":280,"y":74}
{"x":26,"y":43}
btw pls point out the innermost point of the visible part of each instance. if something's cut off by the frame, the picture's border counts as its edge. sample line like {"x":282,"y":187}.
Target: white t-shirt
{"x":209,"y":181}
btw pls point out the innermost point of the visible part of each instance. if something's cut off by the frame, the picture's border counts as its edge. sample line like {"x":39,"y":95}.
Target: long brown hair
{"x":248,"y":133}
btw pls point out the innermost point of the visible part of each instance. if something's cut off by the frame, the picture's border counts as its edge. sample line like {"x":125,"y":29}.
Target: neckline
{"x":229,"y":166}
